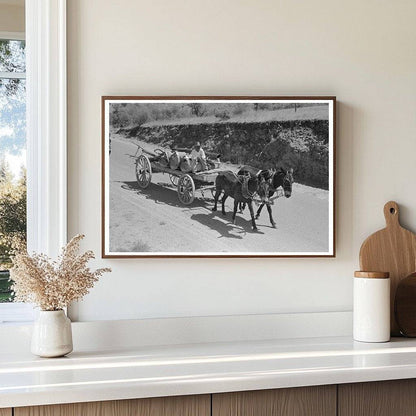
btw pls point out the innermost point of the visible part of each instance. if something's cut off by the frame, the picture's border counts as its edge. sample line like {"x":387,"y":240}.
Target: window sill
{"x":16,"y":313}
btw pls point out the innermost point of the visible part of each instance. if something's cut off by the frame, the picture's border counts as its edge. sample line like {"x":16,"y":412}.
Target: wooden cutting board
{"x":393,"y":250}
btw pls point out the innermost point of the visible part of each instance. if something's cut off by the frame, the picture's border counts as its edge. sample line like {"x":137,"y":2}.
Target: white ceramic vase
{"x":52,"y":334}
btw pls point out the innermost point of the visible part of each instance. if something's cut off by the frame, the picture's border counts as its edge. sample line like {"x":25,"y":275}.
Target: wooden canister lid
{"x":372,"y":275}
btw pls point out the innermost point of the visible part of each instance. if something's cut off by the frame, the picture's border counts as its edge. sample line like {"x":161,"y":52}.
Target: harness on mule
{"x":244,"y":179}
{"x":279,"y":194}
{"x":268,"y":176}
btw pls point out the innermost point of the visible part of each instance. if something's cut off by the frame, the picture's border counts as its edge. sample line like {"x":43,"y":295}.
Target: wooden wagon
{"x":187,"y":184}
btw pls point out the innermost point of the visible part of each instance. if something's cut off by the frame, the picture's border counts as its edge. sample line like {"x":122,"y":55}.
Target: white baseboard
{"x":146,"y":332}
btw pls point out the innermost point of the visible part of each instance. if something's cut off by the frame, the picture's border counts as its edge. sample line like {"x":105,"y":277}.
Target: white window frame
{"x":46,"y":127}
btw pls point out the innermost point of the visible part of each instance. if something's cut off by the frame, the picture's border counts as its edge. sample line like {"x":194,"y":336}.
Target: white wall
{"x":361,"y":51}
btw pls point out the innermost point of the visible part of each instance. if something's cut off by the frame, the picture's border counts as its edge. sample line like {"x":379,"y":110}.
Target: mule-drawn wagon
{"x":176,"y":164}
{"x":245,"y":186}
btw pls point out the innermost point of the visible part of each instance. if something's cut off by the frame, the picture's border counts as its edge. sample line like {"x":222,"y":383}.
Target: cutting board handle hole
{"x":391,"y":213}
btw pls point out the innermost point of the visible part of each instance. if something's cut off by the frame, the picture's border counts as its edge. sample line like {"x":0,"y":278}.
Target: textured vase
{"x":52,"y":334}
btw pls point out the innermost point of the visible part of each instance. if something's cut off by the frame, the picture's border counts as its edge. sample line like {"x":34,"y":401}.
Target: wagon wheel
{"x":174,"y":179}
{"x":143,"y":171}
{"x":186,"y":189}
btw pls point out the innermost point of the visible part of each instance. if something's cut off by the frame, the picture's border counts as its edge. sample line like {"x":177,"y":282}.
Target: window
{"x":45,"y":27}
{"x":12,"y":153}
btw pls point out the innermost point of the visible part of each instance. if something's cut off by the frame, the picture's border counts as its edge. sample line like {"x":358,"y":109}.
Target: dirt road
{"x":154,"y":220}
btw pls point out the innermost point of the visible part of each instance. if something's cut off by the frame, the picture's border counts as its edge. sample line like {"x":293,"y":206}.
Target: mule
{"x":265,"y":174}
{"x":276,"y":178}
{"x":281,"y":178}
{"x":242,"y":188}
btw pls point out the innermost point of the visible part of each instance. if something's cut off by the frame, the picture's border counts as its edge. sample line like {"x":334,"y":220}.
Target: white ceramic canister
{"x":371,"y":313}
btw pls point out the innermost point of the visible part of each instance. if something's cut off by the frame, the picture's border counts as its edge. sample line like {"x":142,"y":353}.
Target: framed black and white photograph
{"x":218,"y":176}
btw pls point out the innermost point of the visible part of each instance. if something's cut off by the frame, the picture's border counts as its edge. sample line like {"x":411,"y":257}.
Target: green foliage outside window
{"x":12,"y":223}
{"x":12,"y":145}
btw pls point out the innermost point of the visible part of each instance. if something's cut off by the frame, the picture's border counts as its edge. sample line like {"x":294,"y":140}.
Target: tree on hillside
{"x":197,"y":109}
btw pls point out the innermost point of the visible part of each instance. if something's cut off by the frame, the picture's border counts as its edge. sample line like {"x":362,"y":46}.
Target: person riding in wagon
{"x":198,"y":158}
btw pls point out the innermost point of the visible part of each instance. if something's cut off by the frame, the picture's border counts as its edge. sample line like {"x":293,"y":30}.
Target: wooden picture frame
{"x":150,"y":143}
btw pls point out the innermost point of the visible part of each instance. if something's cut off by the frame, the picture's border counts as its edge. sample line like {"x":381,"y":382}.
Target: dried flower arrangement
{"x":53,"y":285}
